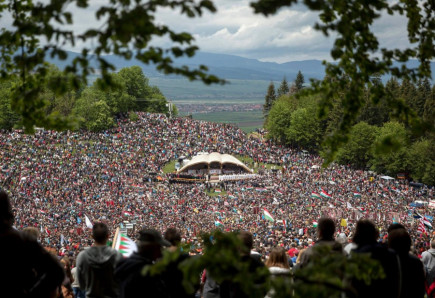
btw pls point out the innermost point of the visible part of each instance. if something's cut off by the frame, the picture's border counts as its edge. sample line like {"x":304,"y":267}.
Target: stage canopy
{"x":215,"y":163}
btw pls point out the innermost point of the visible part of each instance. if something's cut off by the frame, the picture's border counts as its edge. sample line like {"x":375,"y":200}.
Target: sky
{"x":235,"y":29}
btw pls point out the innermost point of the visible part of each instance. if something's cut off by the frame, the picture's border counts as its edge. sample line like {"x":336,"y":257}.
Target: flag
{"x":218,"y":223}
{"x":126,"y":213}
{"x":79,"y":202}
{"x":416,"y":215}
{"x":62,"y":239}
{"x":421,"y":228}
{"x":315,"y":224}
{"x":356,"y":194}
{"x":349,"y":205}
{"x":124,"y":244}
{"x":217,"y":190}
{"x":88,"y":222}
{"x":267,"y":215}
{"x":47,"y":231}
{"x":325,"y":194}
{"x":260,"y":189}
{"x":343,"y":222}
{"x":315,"y":195}
{"x":426,"y":222}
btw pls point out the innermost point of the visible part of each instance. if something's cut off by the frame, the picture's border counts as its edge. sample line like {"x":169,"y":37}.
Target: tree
{"x":269,"y":99}
{"x":358,"y":55}
{"x":358,"y":150}
{"x":299,"y":81}
{"x":429,"y":108}
{"x":92,"y":110}
{"x":283,"y":88}
{"x":422,"y":161}
{"x":279,"y":119}
{"x":390,"y":149}
{"x":304,"y":130}
{"x":423,"y":94}
{"x":127,"y":30}
{"x":8,"y":118}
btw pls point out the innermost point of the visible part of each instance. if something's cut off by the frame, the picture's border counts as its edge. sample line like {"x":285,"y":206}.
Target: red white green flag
{"x":267,"y":215}
{"x":124,"y":245}
{"x":325,"y":194}
{"x":218,"y":223}
{"x":315,"y":195}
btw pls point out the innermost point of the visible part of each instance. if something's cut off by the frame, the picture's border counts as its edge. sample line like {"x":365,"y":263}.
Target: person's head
{"x":100,"y":233}
{"x":6,"y":214}
{"x":432,"y":244}
{"x":399,"y":241}
{"x":326,"y":228}
{"x":247,"y":241}
{"x":173,"y":236}
{"x":31,"y":232}
{"x":365,"y":233}
{"x":150,"y":243}
{"x":277,"y":258}
{"x":395,"y":226}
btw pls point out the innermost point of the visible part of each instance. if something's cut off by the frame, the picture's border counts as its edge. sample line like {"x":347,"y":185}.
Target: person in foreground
{"x":27,"y":269}
{"x":129,"y":271}
{"x":96,"y":266}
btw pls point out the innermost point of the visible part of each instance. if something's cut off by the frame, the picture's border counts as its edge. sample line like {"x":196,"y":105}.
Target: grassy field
{"x":248,"y":121}
{"x":241,"y":91}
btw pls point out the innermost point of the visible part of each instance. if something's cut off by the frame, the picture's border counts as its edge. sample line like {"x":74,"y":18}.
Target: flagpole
{"x":115,"y":238}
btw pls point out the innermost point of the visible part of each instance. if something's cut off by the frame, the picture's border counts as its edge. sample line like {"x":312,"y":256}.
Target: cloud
{"x":235,"y":29}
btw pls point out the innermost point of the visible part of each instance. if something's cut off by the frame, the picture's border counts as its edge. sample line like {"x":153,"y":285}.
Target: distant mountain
{"x":224,"y":66}
{"x":230,"y":67}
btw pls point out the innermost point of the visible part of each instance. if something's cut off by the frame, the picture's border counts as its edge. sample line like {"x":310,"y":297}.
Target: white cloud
{"x":235,"y":29}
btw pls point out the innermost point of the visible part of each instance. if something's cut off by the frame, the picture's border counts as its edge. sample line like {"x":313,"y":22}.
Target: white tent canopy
{"x":387,"y":178}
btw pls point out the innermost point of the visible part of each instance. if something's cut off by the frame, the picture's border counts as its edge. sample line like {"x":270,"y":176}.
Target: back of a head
{"x":432,"y":244}
{"x":173,"y":236}
{"x":365,"y":233}
{"x":326,"y":228}
{"x":150,"y":243}
{"x":32,"y":232}
{"x":395,"y":226}
{"x":247,"y":240}
{"x":6,"y":214}
{"x":278,"y":258}
{"x":100,"y":233}
{"x":400,"y":241}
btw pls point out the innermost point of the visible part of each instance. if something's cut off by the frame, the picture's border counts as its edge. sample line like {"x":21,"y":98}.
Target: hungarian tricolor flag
{"x":218,"y":223}
{"x":217,"y":190}
{"x":267,"y":215}
{"x":126,"y":213}
{"x":315,"y":195}
{"x":356,"y":194}
{"x":124,"y":244}
{"x":325,"y":194}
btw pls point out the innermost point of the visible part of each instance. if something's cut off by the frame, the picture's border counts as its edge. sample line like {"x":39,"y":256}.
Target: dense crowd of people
{"x":57,"y":179}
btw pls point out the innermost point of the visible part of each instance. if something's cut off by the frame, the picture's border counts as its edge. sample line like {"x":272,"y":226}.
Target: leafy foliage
{"x":283,"y":88}
{"x":359,"y":56}
{"x":326,"y":275}
{"x":269,"y":99}
{"x":127,"y":29}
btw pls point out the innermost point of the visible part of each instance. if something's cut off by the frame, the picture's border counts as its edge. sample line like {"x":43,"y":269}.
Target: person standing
{"x":27,"y":269}
{"x":129,"y":271}
{"x":428,"y":258}
{"x":96,"y":266}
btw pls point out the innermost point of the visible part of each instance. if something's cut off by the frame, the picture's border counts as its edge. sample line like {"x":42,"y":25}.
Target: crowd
{"x":57,"y":179}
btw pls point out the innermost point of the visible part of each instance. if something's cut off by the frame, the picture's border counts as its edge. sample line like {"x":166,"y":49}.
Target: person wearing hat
{"x":129,"y":270}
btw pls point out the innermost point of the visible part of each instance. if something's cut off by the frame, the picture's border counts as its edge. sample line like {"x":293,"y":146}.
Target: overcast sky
{"x":235,"y":29}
